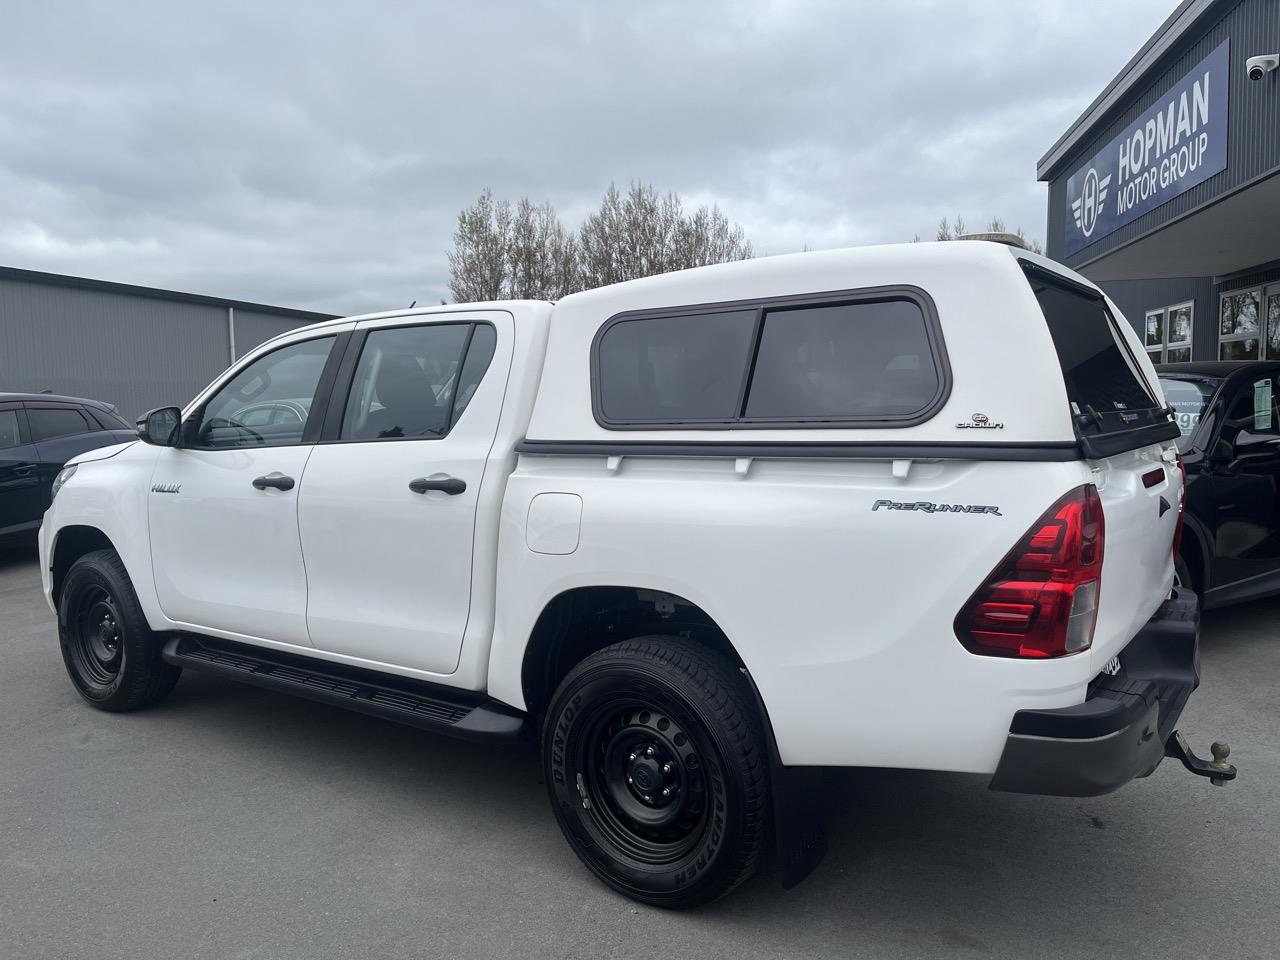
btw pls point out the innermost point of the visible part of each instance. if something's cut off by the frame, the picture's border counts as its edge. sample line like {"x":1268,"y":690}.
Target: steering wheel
{"x":214,"y":423}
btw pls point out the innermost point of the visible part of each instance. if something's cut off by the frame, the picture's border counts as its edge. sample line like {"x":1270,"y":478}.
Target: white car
{"x":704,"y":534}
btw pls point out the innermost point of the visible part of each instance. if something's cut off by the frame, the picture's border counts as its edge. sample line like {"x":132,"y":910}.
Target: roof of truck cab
{"x":444,"y":308}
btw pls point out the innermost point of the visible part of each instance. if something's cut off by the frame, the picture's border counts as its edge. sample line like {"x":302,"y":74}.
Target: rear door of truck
{"x":1127,"y":436}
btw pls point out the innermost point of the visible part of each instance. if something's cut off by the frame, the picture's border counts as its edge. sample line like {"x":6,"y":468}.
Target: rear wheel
{"x":655,"y":762}
{"x":111,"y":654}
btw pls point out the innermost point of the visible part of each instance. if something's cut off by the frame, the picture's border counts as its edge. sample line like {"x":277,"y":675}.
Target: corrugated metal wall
{"x":136,"y":351}
{"x":1253,"y":143}
{"x":1136,"y":297}
{"x":252,"y":328}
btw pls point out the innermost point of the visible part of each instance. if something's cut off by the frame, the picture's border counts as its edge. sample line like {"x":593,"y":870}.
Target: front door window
{"x":266,"y":404}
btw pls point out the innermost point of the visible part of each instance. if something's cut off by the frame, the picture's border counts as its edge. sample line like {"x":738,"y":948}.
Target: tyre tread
{"x":147,"y":678}
{"x":720,"y":685}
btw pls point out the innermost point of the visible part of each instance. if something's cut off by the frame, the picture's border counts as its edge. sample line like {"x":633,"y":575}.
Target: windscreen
{"x":1104,"y":385}
{"x":1188,"y":398}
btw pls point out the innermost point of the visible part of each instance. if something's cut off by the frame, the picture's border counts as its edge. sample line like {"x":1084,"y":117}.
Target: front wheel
{"x":111,"y":654}
{"x":656,"y":765}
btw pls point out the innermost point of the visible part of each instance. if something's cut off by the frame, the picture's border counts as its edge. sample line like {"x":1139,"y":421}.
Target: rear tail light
{"x":1182,"y":509}
{"x":1042,"y":600}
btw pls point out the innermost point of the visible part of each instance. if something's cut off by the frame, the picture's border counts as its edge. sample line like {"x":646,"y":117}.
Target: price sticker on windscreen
{"x":1262,"y":405}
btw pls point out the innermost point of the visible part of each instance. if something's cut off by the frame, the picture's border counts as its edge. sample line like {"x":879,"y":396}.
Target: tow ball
{"x":1217,"y":770}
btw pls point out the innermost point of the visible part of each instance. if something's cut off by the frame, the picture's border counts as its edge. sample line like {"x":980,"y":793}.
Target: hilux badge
{"x":979,"y":421}
{"x":166,"y":487}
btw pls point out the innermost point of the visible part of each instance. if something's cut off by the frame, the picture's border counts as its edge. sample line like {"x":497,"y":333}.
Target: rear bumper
{"x":1119,"y":732}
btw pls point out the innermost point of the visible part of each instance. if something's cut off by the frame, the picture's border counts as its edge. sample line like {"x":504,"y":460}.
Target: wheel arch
{"x":73,"y":542}
{"x":583,"y":619}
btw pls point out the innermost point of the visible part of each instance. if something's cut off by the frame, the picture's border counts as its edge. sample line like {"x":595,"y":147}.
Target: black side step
{"x":458,"y":713}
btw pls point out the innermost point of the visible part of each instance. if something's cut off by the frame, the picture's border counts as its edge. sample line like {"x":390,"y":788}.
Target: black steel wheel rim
{"x":643,"y":781}
{"x":97,"y":636}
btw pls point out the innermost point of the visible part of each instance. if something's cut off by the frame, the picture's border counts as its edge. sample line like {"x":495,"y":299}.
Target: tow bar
{"x":1217,"y":770}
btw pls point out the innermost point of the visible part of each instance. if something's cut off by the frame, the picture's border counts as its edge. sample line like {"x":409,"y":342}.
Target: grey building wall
{"x":1136,"y":297}
{"x":132,"y":346}
{"x":254,"y":327}
{"x":1253,"y":140}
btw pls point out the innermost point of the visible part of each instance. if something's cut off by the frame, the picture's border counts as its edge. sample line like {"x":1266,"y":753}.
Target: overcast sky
{"x":316,"y":154}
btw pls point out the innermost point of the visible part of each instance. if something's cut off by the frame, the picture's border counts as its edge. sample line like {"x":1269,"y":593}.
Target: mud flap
{"x":799,"y":817}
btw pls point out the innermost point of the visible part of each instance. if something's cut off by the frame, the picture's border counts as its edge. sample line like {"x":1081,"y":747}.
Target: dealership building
{"x":135,"y":347}
{"x":1166,"y":190}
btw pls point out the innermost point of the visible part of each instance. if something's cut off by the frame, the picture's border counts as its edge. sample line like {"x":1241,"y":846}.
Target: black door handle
{"x":450,"y":485}
{"x":24,"y":470}
{"x":277,"y":481}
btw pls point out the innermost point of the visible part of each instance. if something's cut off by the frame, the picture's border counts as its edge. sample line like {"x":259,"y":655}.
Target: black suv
{"x":39,"y":433}
{"x":1230,"y":421}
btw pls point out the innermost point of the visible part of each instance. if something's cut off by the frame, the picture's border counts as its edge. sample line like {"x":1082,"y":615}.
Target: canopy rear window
{"x":1105,"y":387}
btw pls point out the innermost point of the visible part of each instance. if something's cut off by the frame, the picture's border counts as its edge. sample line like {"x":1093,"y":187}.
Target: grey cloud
{"x":316,"y":154}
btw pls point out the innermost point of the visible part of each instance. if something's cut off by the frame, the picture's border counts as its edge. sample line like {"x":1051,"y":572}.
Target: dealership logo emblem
{"x":1086,"y":207}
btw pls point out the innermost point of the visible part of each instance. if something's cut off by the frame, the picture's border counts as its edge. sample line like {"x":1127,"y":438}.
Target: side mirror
{"x":159,"y":427}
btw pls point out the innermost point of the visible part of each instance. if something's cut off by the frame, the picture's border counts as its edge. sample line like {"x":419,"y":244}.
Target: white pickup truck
{"x":702,"y":534}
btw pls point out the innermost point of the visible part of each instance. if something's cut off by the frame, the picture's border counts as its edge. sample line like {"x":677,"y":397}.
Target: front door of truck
{"x":387,"y":508}
{"x":1246,"y":484}
{"x":223,"y":507}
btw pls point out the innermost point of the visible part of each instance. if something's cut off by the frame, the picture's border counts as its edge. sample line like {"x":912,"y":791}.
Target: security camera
{"x":1259,"y":67}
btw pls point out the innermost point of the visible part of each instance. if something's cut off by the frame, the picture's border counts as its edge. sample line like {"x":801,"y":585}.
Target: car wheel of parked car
{"x":112,"y":656}
{"x":656,"y":764}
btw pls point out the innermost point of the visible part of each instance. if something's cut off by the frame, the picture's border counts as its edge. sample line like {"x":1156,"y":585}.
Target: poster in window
{"x":1262,"y":406}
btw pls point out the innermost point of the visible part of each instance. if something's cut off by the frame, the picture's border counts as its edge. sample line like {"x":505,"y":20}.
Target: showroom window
{"x":1168,"y":333}
{"x":1239,"y":325}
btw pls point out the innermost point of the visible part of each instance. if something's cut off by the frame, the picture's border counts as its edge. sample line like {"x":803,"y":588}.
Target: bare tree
{"x":478,"y":260}
{"x":542,"y":255}
{"x":996,"y":225}
{"x":505,"y":253}
{"x":525,"y":252}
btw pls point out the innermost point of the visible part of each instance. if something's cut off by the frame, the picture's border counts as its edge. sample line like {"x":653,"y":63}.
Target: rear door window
{"x":49,"y":423}
{"x":9,"y":429}
{"x":412,"y":383}
{"x":1104,"y":385}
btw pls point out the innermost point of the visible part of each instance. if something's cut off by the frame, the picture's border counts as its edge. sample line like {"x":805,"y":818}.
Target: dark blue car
{"x":39,"y":433}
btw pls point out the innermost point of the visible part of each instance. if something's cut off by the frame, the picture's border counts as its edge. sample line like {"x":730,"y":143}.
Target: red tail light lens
{"x":1182,"y":509}
{"x":1042,"y":600}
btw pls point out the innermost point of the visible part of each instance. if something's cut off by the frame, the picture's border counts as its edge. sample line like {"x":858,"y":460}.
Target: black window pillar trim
{"x":762,"y":305}
{"x":340,"y":389}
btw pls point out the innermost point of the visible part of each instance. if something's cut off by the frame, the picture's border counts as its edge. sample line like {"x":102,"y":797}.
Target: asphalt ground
{"x":231,"y":822}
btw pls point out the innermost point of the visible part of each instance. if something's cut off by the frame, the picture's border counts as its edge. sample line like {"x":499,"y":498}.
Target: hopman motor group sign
{"x":1179,"y":142}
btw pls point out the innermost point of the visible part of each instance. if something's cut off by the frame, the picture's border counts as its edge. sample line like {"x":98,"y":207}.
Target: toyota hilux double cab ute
{"x":702,"y":535}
